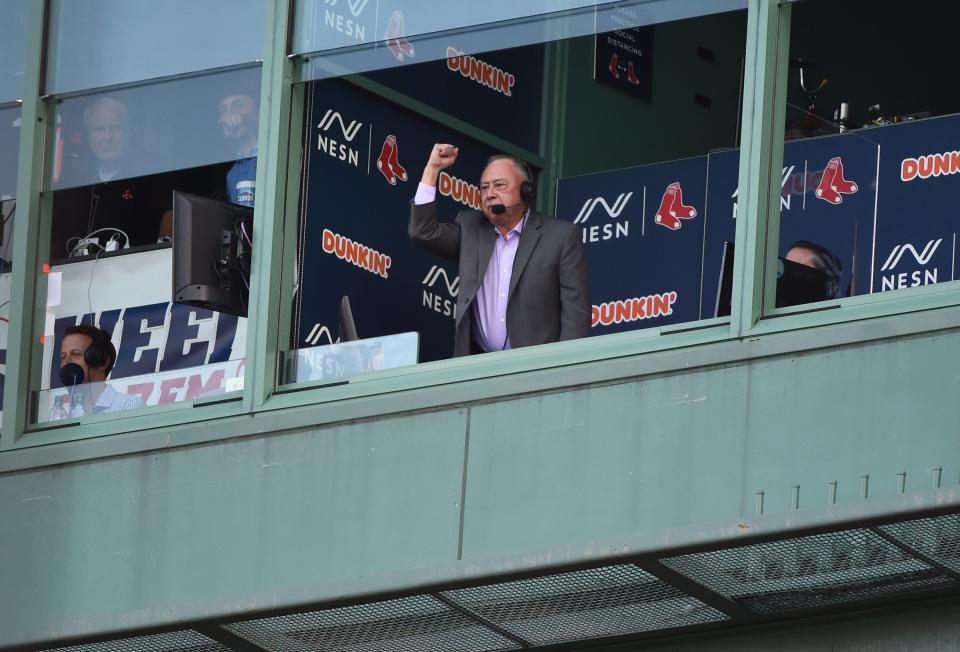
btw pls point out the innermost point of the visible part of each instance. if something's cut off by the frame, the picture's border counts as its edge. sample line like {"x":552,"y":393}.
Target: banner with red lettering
{"x":365,"y":158}
{"x":165,"y":352}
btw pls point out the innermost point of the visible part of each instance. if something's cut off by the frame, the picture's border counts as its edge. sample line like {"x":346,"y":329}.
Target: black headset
{"x":100,"y":353}
{"x":528,"y":191}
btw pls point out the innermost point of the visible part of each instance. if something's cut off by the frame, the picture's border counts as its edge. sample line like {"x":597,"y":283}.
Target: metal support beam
{"x":231,"y":640}
{"x":698,"y":591}
{"x":480,"y":619}
{"x":913,"y":552}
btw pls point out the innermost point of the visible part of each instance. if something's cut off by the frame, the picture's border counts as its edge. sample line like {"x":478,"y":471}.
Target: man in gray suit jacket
{"x":523,"y":276}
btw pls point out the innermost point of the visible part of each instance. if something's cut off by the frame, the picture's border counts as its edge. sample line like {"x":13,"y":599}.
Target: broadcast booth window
{"x":869,"y":170}
{"x":9,"y":150}
{"x":12,"y":58}
{"x":125,"y":327}
{"x":489,"y":189}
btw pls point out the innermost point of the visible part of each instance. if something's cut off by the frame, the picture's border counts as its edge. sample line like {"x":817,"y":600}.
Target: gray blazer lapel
{"x":528,"y":241}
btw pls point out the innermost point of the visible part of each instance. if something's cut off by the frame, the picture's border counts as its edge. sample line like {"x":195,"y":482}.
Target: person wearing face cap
{"x":86,"y":358}
{"x":523,"y":275}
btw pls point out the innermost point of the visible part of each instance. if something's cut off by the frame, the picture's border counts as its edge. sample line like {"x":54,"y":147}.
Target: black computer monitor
{"x":211,"y":253}
{"x":348,"y":329}
{"x":725,"y":283}
{"x":796,"y":284}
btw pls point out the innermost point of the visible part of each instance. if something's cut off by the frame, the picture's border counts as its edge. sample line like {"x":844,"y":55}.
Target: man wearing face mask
{"x":523,"y":276}
{"x":86,"y":358}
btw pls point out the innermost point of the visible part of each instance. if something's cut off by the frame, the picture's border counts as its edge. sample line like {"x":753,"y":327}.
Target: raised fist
{"x":443,"y":156}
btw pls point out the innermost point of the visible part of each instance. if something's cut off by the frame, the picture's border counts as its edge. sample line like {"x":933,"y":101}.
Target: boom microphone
{"x":71,"y":374}
{"x":500,"y":209}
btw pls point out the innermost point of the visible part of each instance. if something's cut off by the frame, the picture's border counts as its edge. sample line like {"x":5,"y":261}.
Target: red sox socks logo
{"x":832,"y":183}
{"x":396,"y":38}
{"x":614,"y":68}
{"x":672,"y":209}
{"x":388,"y":164}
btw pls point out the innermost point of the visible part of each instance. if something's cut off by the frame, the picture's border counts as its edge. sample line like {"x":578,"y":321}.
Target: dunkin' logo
{"x":459,"y":190}
{"x":635,"y":309}
{"x":930,"y":165}
{"x":480,"y":71}
{"x":353,"y":252}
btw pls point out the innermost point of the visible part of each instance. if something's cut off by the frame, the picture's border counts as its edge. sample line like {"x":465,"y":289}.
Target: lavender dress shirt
{"x":490,"y":305}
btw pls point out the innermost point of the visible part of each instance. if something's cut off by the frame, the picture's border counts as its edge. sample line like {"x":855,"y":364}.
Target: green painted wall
{"x":311,"y":514}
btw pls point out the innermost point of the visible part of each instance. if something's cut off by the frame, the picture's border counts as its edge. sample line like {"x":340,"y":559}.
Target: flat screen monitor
{"x":348,"y":329}
{"x":725,"y":283}
{"x":211,"y":253}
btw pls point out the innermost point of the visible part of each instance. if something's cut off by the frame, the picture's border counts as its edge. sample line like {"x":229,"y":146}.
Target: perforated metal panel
{"x":607,"y":601}
{"x":419,"y":623}
{"x":810,"y":571}
{"x":185,"y":641}
{"x":938,"y":538}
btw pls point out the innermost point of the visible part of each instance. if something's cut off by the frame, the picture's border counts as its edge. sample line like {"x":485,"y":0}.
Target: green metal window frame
{"x":748,"y":332}
{"x":773,"y":320}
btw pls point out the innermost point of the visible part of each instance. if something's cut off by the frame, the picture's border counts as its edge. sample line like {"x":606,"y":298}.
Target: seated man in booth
{"x":523,"y":275}
{"x":120,"y":197}
{"x":86,"y":358}
{"x":106,"y":121}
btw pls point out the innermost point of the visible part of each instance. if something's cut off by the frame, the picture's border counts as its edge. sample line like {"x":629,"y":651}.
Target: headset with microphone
{"x":100,"y":353}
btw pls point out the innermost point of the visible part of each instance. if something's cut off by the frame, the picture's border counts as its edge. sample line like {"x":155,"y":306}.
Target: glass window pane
{"x":114,"y":239}
{"x":869,"y":168}
{"x":106,"y":42}
{"x":162,"y":352}
{"x":621,"y":131}
{"x":417,"y":32}
{"x":153,"y":128}
{"x":13,"y":40}
{"x":329,"y":24}
{"x":9,"y":152}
